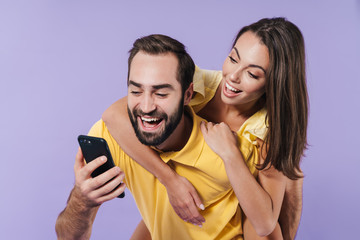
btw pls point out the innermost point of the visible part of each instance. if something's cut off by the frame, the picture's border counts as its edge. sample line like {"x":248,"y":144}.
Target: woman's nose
{"x":235,"y":76}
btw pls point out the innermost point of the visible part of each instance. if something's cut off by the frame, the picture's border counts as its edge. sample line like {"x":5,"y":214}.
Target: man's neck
{"x":178,"y":139}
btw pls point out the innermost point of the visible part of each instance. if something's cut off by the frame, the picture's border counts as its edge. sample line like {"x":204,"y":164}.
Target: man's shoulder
{"x":99,"y":129}
{"x":191,"y":113}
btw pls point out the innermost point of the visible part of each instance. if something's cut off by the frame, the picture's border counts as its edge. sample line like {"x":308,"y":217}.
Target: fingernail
{"x":199,"y":225}
{"x":202,"y":207}
{"x":103,"y":158}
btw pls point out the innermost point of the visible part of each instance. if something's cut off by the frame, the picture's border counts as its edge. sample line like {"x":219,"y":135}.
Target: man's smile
{"x":150,"y":123}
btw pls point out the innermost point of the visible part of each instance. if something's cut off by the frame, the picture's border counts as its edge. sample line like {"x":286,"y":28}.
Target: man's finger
{"x":105,"y":185}
{"x":79,"y":160}
{"x":91,"y":166}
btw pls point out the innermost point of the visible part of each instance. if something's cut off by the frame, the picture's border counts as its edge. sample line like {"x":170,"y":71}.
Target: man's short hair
{"x":157,"y":44}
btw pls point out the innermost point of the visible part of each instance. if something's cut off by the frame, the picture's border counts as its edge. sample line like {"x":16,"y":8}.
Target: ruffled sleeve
{"x":205,"y":84}
{"x":253,"y":128}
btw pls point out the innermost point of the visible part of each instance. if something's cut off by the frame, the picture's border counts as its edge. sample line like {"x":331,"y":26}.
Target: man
{"x":159,"y":88}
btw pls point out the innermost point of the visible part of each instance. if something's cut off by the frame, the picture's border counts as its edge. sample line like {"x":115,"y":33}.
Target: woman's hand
{"x":220,"y":138}
{"x":184,"y":199}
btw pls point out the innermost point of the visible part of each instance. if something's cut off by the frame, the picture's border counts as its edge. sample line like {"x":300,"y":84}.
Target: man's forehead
{"x":153,"y":70}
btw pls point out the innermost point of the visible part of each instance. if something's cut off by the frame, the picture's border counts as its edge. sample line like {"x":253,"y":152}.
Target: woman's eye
{"x":253,"y":76}
{"x":232,"y":59}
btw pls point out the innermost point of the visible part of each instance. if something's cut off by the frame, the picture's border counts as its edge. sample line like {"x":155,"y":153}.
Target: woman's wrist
{"x":231,"y":154}
{"x":166,"y":175}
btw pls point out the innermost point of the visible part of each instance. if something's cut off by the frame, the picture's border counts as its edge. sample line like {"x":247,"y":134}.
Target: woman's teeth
{"x":231,"y":88}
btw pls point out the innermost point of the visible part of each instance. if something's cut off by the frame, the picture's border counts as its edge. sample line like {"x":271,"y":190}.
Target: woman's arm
{"x":290,"y":214}
{"x":250,"y":233}
{"x":141,"y":232}
{"x":182,"y":195}
{"x":261,"y":202}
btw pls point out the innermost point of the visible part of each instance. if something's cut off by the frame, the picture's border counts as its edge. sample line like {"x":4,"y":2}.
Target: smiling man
{"x":151,"y":108}
{"x":160,"y":86}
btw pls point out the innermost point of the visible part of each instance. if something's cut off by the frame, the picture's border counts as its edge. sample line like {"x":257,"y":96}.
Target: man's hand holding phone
{"x":104,"y":187}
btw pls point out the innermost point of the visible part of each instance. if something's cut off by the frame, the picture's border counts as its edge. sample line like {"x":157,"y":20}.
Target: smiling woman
{"x":244,"y":72}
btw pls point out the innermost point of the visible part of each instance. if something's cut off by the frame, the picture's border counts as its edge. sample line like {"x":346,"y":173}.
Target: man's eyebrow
{"x":156,"y":87}
{"x":161,"y":86}
{"x":251,"y":65}
{"x":131,"y":82}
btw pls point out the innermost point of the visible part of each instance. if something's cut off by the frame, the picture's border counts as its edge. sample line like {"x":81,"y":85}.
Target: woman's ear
{"x":188,"y":94}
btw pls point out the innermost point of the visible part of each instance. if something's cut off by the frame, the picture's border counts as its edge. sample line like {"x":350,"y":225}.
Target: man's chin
{"x":147,"y":140}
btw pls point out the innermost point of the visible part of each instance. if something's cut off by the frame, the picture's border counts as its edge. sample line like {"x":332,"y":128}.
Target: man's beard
{"x":155,"y":139}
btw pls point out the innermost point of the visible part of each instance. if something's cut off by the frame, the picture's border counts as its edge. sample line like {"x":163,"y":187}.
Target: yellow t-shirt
{"x":206,"y":83}
{"x":200,"y":165}
{"x":203,"y":168}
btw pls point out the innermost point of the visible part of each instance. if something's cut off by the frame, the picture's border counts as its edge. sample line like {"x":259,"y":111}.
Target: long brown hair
{"x":285,"y":93}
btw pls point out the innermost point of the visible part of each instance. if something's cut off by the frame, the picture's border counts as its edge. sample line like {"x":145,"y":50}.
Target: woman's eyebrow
{"x":251,"y":65}
{"x":237,"y":52}
{"x":257,"y":66}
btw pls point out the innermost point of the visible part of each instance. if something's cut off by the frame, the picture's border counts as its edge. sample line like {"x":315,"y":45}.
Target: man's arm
{"x":75,"y":221}
{"x":291,"y":209}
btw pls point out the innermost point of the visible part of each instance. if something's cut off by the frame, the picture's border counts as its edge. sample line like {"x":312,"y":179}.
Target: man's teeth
{"x":231,"y":88}
{"x":149,"y":119}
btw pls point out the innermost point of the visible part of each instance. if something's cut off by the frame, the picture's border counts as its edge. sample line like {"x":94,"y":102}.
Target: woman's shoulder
{"x":255,"y":127}
{"x":206,"y":83}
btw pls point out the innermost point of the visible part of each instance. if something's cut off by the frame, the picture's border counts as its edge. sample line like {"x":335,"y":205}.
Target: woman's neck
{"x":233,"y":115}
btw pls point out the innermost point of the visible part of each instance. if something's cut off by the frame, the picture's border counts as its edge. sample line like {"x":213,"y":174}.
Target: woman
{"x":261,"y":96}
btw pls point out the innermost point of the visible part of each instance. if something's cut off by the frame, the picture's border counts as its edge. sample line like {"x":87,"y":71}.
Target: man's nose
{"x":147,"y":104}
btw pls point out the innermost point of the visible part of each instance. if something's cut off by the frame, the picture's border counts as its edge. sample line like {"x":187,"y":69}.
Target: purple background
{"x":63,"y":62}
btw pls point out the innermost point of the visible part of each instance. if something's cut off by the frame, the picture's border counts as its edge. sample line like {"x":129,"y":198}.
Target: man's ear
{"x":188,"y":94}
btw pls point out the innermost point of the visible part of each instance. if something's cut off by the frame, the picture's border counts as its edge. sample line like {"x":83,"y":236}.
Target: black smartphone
{"x":94,"y":147}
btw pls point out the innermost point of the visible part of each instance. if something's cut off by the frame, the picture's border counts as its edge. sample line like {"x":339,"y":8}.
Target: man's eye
{"x":232,"y":59}
{"x":135,"y":93}
{"x":161,"y":94}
